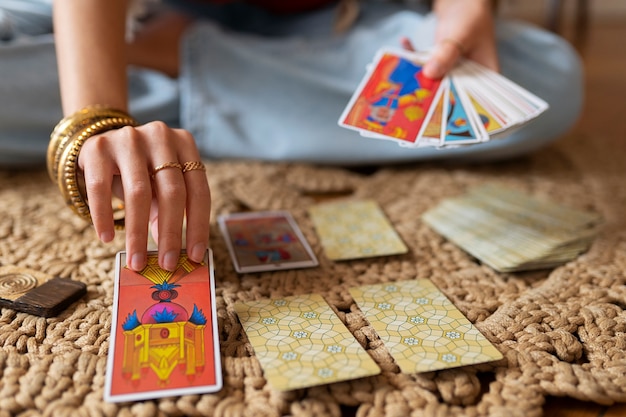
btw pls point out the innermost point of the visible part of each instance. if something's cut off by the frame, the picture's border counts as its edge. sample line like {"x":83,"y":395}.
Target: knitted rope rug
{"x":562,"y":331}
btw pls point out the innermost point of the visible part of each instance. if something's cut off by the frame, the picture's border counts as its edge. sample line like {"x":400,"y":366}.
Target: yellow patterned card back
{"x":300,"y":342}
{"x":421,"y":328}
{"x":355,"y":229}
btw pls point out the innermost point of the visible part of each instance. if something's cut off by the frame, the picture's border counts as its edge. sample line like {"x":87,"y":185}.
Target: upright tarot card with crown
{"x":164,"y":338}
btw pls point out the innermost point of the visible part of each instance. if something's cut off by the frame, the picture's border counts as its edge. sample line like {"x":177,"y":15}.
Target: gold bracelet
{"x":66,"y":142}
{"x":69,"y":126}
{"x":69,"y":182}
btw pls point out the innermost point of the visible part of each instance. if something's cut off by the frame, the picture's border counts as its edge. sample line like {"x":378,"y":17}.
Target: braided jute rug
{"x":562,"y":331}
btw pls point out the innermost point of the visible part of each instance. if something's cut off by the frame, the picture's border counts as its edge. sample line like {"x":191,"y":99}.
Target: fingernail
{"x":107,"y":236}
{"x":138,"y":261}
{"x":197,"y":252}
{"x":170,"y":260}
{"x":432,"y":70}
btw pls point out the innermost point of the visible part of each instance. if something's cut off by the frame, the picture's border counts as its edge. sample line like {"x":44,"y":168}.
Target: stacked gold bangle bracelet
{"x":66,"y":141}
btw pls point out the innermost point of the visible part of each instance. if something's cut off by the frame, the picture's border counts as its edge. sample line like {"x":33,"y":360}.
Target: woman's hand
{"x":92,"y":57}
{"x":122,"y":162}
{"x":465,"y":28}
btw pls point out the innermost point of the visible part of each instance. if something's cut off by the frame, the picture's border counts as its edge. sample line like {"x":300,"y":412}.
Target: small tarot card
{"x":265,"y":241}
{"x":489,"y":116}
{"x":463,"y":125}
{"x":393,"y":100}
{"x":301,"y":342}
{"x":164,"y":335}
{"x":421,"y":327}
{"x":436,"y":124}
{"x":355,"y":229}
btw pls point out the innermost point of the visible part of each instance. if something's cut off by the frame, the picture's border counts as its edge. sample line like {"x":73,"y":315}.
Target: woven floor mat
{"x":562,"y":331}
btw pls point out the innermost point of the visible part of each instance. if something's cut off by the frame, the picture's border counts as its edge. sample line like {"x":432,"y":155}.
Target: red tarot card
{"x":394,"y":98}
{"x":164,"y":338}
{"x":265,"y":241}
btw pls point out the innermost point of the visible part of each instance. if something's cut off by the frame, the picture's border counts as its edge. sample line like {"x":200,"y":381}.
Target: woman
{"x":262,"y":79}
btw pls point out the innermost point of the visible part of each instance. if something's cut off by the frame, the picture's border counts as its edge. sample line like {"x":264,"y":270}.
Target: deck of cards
{"x":471,"y":105}
{"x":510,"y":231}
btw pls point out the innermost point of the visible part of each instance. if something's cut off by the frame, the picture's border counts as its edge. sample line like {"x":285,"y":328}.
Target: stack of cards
{"x":472,"y":104}
{"x":510,"y":231}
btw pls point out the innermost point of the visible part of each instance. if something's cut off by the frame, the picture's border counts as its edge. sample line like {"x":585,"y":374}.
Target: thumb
{"x":443,"y":58}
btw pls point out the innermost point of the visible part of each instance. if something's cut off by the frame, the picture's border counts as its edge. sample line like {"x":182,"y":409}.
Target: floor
{"x":601,"y":45}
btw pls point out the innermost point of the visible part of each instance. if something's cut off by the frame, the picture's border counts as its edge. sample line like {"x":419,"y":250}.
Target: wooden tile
{"x":36,"y":293}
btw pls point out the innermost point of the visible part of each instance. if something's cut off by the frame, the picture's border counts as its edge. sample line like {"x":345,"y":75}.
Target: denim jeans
{"x":266,"y":88}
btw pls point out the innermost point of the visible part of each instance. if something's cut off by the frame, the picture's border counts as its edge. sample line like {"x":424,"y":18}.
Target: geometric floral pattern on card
{"x":300,"y":342}
{"x":355,"y":229}
{"x":421,"y":328}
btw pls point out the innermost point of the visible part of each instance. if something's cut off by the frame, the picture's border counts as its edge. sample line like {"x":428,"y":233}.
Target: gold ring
{"x":193,"y":165}
{"x":458,"y":45}
{"x":166,"y":165}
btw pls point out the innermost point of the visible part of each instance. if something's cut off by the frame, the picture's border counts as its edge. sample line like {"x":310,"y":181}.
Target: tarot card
{"x":422,"y":329}
{"x":394,"y":98}
{"x":164,"y":336}
{"x":489,"y":120}
{"x":265,"y":241}
{"x":463,"y":125}
{"x":436,"y":123}
{"x":355,"y":229}
{"x":300,"y":342}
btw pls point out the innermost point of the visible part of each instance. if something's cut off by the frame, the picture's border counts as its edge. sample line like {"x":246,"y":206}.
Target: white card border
{"x":148,"y":395}
{"x":223,"y":219}
{"x":417,"y":57}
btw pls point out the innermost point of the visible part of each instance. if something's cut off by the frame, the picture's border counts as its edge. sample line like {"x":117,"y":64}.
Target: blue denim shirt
{"x":258,"y":86}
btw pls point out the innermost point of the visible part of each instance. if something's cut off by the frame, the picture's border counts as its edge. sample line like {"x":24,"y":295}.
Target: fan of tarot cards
{"x":472,"y":104}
